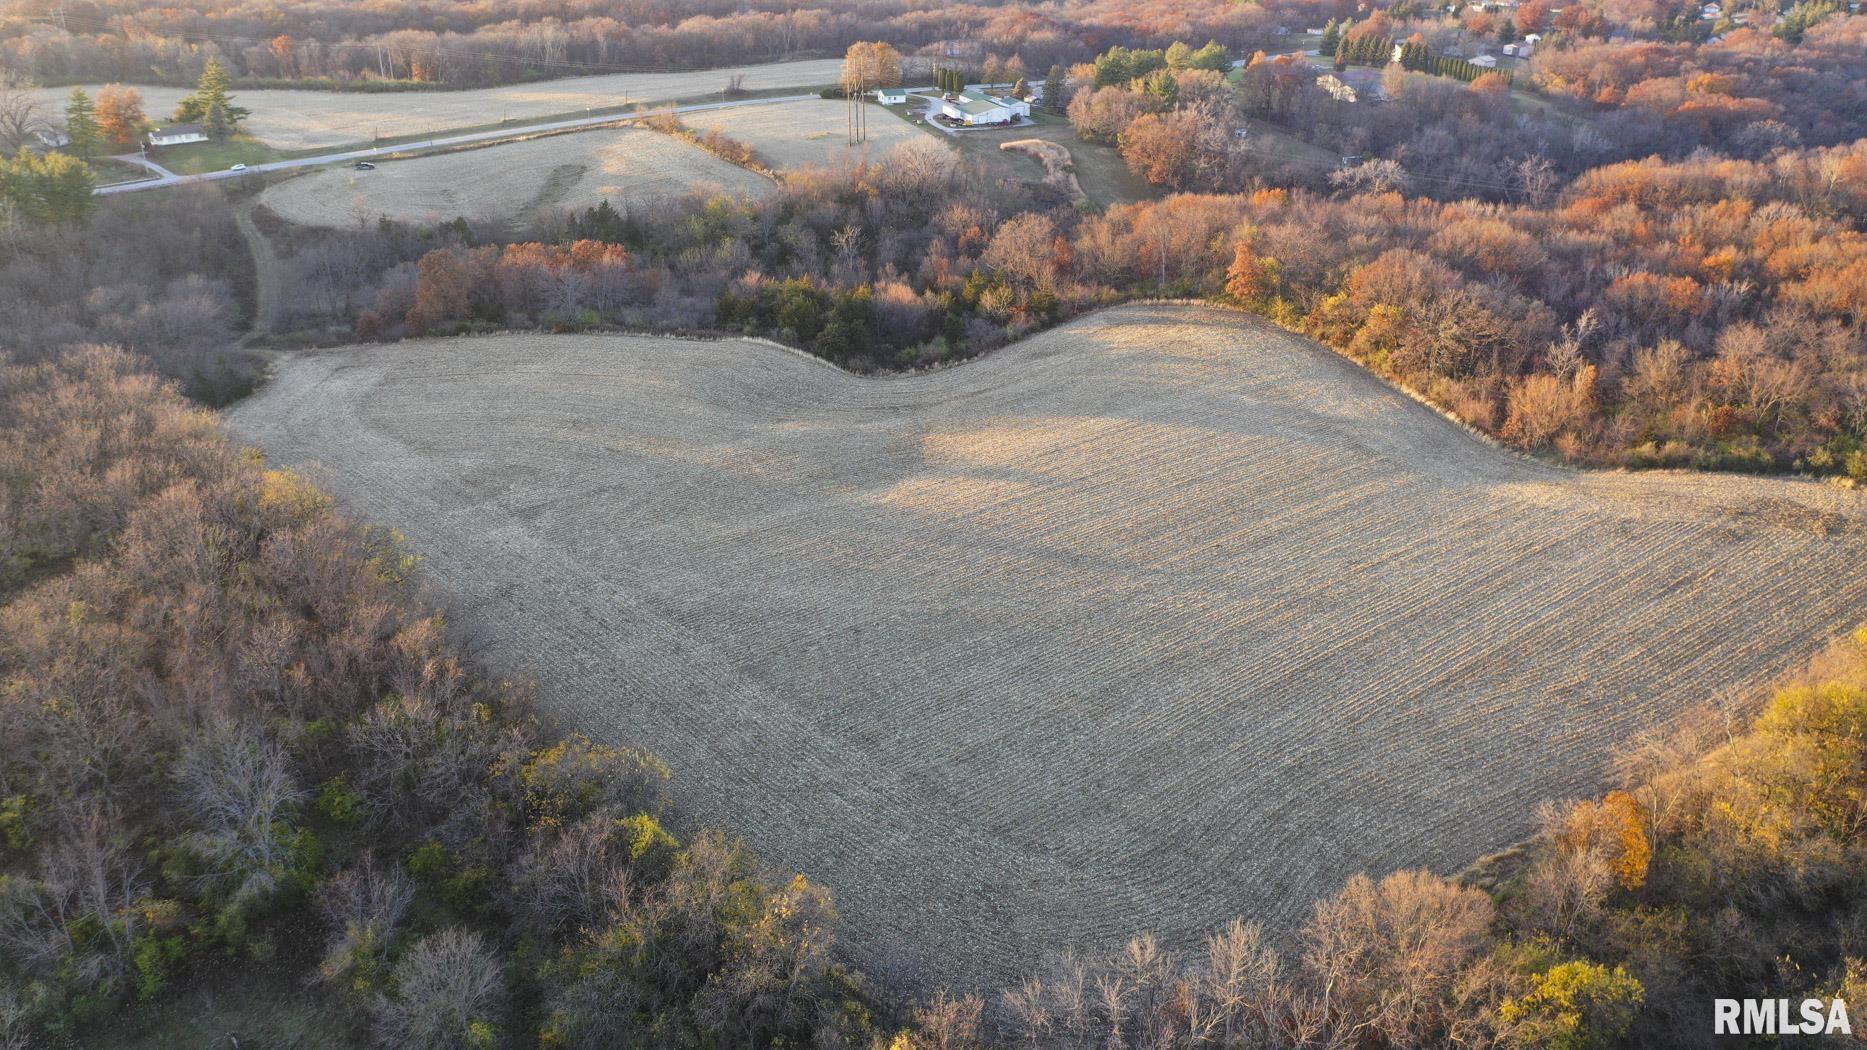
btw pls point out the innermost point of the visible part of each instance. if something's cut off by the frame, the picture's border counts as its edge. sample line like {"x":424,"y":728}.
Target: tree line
{"x":234,"y":741}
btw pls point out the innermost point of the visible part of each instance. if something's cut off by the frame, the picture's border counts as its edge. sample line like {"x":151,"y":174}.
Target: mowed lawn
{"x":1158,"y":618}
{"x":1104,"y":176}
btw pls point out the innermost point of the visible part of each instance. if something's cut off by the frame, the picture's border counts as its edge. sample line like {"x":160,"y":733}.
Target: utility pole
{"x":858,"y":116}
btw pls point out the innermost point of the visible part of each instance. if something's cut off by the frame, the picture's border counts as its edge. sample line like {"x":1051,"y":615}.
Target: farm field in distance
{"x":501,"y":183}
{"x":794,"y":134}
{"x":1160,"y":617}
{"x":302,"y":120}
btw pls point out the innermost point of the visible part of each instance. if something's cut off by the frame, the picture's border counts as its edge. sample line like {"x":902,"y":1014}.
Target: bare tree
{"x":237,"y":790}
{"x":449,"y":988}
{"x":363,"y":906}
{"x":20,"y":118}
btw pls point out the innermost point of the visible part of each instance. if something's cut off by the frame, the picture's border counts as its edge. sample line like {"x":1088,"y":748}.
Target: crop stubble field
{"x":626,"y":166}
{"x":1160,"y":617}
{"x":793,"y":134}
{"x":295,"y":120}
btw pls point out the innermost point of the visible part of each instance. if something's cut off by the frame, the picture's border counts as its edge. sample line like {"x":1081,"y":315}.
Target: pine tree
{"x":218,"y":127}
{"x":81,"y":124}
{"x":1331,"y":38}
{"x":214,"y":89}
{"x":1053,"y":89}
{"x":1020,"y":89}
{"x":1343,"y":52}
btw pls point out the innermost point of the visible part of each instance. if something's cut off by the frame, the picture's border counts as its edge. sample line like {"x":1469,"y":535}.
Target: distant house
{"x":892,"y":96}
{"x":1485,"y":61}
{"x":178,"y":135}
{"x":983,"y":109}
{"x":1337,"y":90}
{"x":1711,"y":12}
{"x":51,"y":138}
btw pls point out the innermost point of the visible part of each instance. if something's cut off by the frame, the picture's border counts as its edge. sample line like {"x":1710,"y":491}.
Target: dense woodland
{"x":226,"y":716}
{"x":1705,"y":312}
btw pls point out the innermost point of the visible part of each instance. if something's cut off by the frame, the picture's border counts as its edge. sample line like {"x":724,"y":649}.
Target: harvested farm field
{"x":295,"y":120}
{"x":1154,"y":619}
{"x":500,"y":183}
{"x":815,"y":131}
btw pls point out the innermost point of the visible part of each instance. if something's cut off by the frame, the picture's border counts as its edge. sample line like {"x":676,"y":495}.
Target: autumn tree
{"x":120,"y":116}
{"x":870,"y":65}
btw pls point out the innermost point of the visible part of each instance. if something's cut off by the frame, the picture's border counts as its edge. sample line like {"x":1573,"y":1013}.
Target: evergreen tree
{"x":216,"y":123}
{"x":56,"y":187}
{"x":81,"y":124}
{"x":214,"y":89}
{"x":1331,"y":38}
{"x":1053,"y":89}
{"x":1343,"y":52}
{"x":1020,"y":89}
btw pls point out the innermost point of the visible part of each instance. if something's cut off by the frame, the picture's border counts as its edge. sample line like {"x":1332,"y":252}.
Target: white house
{"x":51,"y":137}
{"x":892,"y":96}
{"x":1485,"y":61}
{"x":178,"y":135}
{"x":983,"y":109}
{"x":1337,"y":88}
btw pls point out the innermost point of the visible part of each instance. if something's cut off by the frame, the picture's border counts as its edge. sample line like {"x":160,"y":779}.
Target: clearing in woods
{"x":793,"y":134}
{"x":302,"y":120}
{"x":500,"y":183}
{"x":1157,"y":618}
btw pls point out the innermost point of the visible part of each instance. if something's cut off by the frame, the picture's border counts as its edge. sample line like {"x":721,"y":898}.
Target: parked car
{"x":364,"y":165}
{"x":237,"y":167}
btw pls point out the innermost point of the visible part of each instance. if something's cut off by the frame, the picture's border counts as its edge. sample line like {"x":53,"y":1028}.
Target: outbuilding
{"x":892,"y":96}
{"x":983,"y":109}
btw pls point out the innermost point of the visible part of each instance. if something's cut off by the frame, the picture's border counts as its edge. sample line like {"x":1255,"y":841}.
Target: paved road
{"x":371,"y":152}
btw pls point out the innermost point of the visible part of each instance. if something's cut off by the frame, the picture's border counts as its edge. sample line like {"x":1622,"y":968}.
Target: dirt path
{"x":268,"y":275}
{"x":1158,"y":618}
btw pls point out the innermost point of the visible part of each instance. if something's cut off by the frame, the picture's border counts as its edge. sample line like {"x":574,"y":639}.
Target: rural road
{"x":433,"y":143}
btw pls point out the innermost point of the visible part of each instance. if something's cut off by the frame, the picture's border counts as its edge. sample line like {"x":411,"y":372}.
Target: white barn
{"x":983,"y":109}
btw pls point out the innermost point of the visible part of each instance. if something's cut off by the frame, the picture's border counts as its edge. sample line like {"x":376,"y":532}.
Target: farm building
{"x":983,"y":109}
{"x":1336,"y":89}
{"x":892,"y":96}
{"x":1485,"y":61}
{"x":178,"y":135}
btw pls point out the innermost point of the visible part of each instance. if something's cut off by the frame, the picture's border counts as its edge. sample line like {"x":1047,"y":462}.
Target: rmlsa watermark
{"x":1780,"y":1017}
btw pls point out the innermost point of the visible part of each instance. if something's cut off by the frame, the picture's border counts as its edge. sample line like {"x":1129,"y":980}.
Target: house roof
{"x":177,"y":129}
{"x":981,"y":105}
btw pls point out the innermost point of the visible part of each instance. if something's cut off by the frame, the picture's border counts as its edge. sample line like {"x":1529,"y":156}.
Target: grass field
{"x":198,"y":157}
{"x":505,"y":182}
{"x":1100,"y":170}
{"x":300,"y":120}
{"x":1160,"y":617}
{"x":793,"y":134}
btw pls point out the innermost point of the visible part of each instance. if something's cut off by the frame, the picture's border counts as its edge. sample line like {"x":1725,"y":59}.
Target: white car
{"x":237,"y":167}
